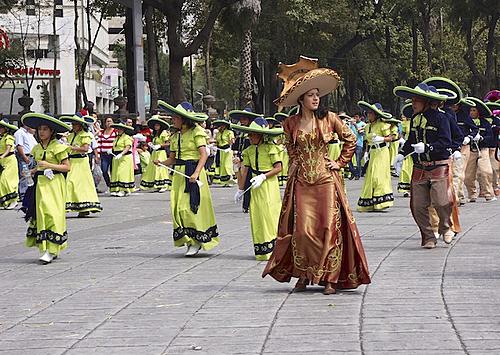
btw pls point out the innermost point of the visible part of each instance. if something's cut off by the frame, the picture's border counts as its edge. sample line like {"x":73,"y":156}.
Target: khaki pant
{"x":479,"y":165}
{"x":458,"y":170}
{"x":494,"y":168}
{"x":431,"y":188}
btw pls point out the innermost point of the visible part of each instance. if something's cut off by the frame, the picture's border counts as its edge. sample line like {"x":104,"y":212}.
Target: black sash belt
{"x":191,"y":187}
{"x":77,"y":156}
{"x":29,"y":200}
{"x":116,"y":152}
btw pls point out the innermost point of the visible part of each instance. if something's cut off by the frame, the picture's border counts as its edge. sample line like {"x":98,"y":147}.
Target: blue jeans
{"x":356,"y":170}
{"x":23,"y":182}
{"x":106,"y":160}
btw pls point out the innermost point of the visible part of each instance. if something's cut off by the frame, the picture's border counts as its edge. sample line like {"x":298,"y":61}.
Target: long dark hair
{"x":189,"y":123}
{"x":321,"y":112}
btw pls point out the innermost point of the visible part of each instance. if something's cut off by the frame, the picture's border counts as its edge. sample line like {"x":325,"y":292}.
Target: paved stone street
{"x":122,"y":288}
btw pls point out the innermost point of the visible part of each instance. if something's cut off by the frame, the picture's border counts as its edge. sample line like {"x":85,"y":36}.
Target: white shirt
{"x":25,"y":139}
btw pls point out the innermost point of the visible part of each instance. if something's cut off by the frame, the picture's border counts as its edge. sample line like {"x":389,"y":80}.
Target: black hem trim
{"x":125,"y":185}
{"x":149,"y":184}
{"x":78,"y":206}
{"x":264,"y":248}
{"x":8,"y":197}
{"x":47,"y":235}
{"x":202,"y":237}
{"x":375,"y":200}
{"x":225,"y":178}
{"x":404,"y":186}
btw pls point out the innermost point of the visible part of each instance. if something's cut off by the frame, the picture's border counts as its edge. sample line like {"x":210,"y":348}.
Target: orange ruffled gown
{"x":317,"y":234}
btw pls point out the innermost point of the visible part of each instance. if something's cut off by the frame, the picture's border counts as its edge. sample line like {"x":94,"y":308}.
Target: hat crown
{"x":261,"y":122}
{"x":187,"y":106}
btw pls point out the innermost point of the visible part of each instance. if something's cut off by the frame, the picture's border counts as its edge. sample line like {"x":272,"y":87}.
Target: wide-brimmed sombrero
{"x":444,"y":83}
{"x":259,"y":125}
{"x":35,"y":120}
{"x":484,"y":111}
{"x":452,"y":96}
{"x":422,"y":90}
{"x":407,"y":110}
{"x":376,"y":107}
{"x":294,"y":110}
{"x":493,"y":106}
{"x":280,"y":116}
{"x":74,"y":119}
{"x":89,"y":119}
{"x":184,"y":109}
{"x":127,"y":129}
{"x":237,"y":115}
{"x":156,"y":119}
{"x":344,"y":116}
{"x":492,"y":96}
{"x":8,"y":125}
{"x":221,"y":121}
{"x":467,"y":103}
{"x":272,"y":121}
{"x":324,"y":79}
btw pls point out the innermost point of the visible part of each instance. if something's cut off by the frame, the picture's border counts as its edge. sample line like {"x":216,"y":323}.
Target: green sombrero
{"x":422,"y":90}
{"x":259,"y":125}
{"x":221,"y":121}
{"x":445,"y":83}
{"x":453,"y":99}
{"x":272,"y":120}
{"x":493,"y":105}
{"x":184,"y":109}
{"x":156,"y":119}
{"x":9,"y":126}
{"x":75,"y":119}
{"x":237,"y":115}
{"x":465,"y":101}
{"x":407,"y":110}
{"x":35,"y":120}
{"x":127,"y":129}
{"x":376,"y":107}
{"x":280,"y":116}
{"x":484,"y":111}
{"x":294,"y":110}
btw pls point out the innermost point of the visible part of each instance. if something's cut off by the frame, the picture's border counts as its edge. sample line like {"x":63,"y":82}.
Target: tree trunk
{"x":425,"y":15}
{"x":414,"y":54}
{"x":152,"y":56}
{"x":489,"y":77}
{"x":208,"y":74}
{"x":53,"y":83}
{"x":177,"y":93}
{"x":78,"y":103}
{"x":246,"y":70}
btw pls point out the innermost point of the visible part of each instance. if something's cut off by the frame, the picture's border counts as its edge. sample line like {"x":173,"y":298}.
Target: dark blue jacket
{"x":486,"y":132}
{"x":466,"y":124}
{"x":433,"y":129}
{"x":457,"y":138}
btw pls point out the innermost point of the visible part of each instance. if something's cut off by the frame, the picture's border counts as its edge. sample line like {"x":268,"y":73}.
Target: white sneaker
{"x":437,"y":235}
{"x":193,"y":250}
{"x":113,"y":194}
{"x":188,"y":248}
{"x":46,"y":258}
{"x":120,"y":194}
{"x":448,"y":236}
{"x":162,"y":190}
{"x":11,"y":206}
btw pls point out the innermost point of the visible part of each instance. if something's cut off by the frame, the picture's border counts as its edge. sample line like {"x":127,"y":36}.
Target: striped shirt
{"x":105,"y":142}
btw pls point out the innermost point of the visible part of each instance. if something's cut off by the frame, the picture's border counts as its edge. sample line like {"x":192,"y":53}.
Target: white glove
{"x":140,"y":137}
{"x":258,"y":180}
{"x":107,"y":151}
{"x":402,"y":141}
{"x":377,"y":139}
{"x":419,"y":148}
{"x":118,"y":156}
{"x":156,"y":147}
{"x":398,"y":163}
{"x":238,"y":196}
{"x":456,"y":155}
{"x":227,"y":150}
{"x":477,"y":138}
{"x":366,"y":157}
{"x":49,"y":174}
{"x":466,"y":140}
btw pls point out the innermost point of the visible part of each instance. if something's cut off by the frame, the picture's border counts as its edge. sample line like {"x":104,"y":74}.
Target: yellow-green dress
{"x":377,"y":193}
{"x":404,"y":183}
{"x":122,"y":170}
{"x":265,"y":201}
{"x":191,"y":228}
{"x":334,"y":147}
{"x":9,"y":173}
{"x":155,"y":177}
{"x":81,"y":195}
{"x":394,"y":145}
{"x":47,"y":230}
{"x":223,"y":140}
{"x":283,"y":175}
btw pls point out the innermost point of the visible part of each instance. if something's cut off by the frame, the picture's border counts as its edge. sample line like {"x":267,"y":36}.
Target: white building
{"x":34,"y":22}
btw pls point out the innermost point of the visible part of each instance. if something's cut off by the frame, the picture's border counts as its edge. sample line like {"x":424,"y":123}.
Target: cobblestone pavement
{"x":122,"y":288}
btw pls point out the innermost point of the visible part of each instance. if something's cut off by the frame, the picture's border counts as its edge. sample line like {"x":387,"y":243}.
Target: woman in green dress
{"x":46,"y":210}
{"x":9,"y":173}
{"x":262,"y":160}
{"x":190,"y":199}
{"x":404,"y":183}
{"x":376,"y":194}
{"x":224,"y":139}
{"x":122,"y":168}
{"x":81,"y":195}
{"x":155,"y":177}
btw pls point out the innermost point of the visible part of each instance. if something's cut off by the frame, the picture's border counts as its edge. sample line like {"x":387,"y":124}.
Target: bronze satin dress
{"x":317,"y":234}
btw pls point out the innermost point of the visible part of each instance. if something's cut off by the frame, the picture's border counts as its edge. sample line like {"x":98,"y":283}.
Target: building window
{"x":58,"y":11}
{"x":37,"y":53}
{"x":30,"y":8}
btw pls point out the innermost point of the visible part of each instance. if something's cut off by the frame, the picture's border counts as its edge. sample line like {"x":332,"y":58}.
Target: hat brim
{"x":73,"y":119}
{"x":89,"y":119}
{"x":345,"y":117}
{"x":153,"y":121}
{"x":264,"y":131}
{"x":406,"y":92}
{"x":444,"y":83}
{"x":127,"y":129}
{"x":323,"y":79}
{"x":220,"y":122}
{"x":280,"y":116}
{"x":407,"y":110}
{"x":237,"y":115}
{"x":272,"y":120}
{"x":453,"y":99}
{"x":194,"y":116}
{"x":35,"y":120}
{"x":368,"y":107}
{"x":484,"y":111}
{"x":466,"y":102}
{"x":8,"y":126}
{"x":294,"y":110}
{"x":493,"y":105}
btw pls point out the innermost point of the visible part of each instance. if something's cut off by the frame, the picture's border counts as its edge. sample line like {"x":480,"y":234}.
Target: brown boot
{"x":301,"y":285}
{"x":329,"y":289}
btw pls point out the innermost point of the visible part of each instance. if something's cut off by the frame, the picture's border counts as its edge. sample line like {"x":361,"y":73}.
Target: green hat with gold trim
{"x":260,"y":126}
{"x":35,"y":120}
{"x":376,"y":107}
{"x":184,"y":110}
{"x":8,"y":125}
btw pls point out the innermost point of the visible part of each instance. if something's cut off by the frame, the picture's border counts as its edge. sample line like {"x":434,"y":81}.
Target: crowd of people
{"x":443,"y":144}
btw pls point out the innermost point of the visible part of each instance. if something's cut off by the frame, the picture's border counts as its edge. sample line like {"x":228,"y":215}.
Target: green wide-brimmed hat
{"x":221,"y":121}
{"x":453,"y":99}
{"x":237,"y":115}
{"x":89,"y":119}
{"x":294,"y":110}
{"x":407,"y":110}
{"x":156,"y":119}
{"x":8,"y":125}
{"x":127,"y":129}
{"x":465,"y":101}
{"x":422,"y":90}
{"x":376,"y":107}
{"x":493,"y":105}
{"x":272,"y":121}
{"x":35,"y":120}
{"x":484,"y":111}
{"x":259,"y":125}
{"x":74,"y":119}
{"x":184,"y":109}
{"x":280,"y":116}
{"x":444,"y":83}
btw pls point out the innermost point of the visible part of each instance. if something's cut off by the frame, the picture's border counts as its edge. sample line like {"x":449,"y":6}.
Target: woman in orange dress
{"x":318,"y":241}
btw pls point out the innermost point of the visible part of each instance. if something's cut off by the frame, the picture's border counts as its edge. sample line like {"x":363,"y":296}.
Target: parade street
{"x":122,"y":288}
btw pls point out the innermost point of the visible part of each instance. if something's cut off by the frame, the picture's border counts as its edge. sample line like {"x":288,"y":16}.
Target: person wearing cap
{"x":405,"y":168}
{"x":193,"y":216}
{"x":318,"y":241}
{"x":46,"y":198}
{"x":122,"y":182}
{"x":224,"y":139}
{"x":9,"y":175}
{"x":429,"y":143}
{"x":376,"y":194}
{"x":262,"y":164}
{"x":155,"y":177}
{"x":479,"y":164}
{"x":81,"y":195}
